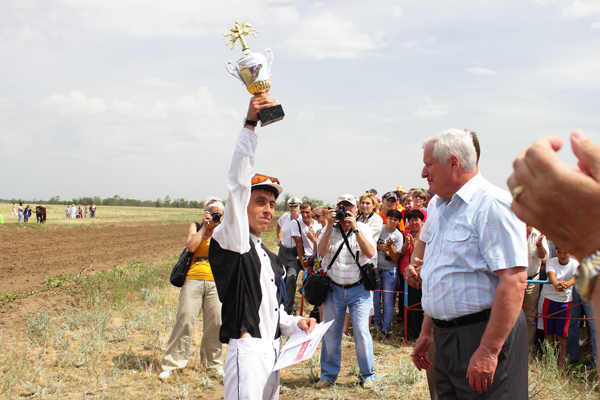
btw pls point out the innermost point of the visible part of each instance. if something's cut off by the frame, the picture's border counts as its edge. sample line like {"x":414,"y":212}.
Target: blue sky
{"x":132,"y":97}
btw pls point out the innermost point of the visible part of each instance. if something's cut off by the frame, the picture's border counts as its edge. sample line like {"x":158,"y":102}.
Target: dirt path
{"x":28,"y":256}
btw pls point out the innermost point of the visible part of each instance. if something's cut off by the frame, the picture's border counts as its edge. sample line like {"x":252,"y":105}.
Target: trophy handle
{"x":269,"y":54}
{"x":232,"y":69}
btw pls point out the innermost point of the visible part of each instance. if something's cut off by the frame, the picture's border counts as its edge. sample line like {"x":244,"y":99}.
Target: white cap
{"x":348,"y":198}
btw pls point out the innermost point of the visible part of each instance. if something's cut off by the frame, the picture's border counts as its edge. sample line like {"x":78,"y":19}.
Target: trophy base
{"x":272,"y":114}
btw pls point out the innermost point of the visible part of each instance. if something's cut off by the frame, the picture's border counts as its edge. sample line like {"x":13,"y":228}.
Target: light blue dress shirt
{"x":474,"y":234}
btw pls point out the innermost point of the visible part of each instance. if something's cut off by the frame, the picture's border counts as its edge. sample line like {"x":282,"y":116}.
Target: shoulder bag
{"x":317,"y":285}
{"x":370,"y":274}
{"x":181,"y":268}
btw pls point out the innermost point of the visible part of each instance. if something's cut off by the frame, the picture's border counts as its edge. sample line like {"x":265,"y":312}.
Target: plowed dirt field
{"x":28,"y":256}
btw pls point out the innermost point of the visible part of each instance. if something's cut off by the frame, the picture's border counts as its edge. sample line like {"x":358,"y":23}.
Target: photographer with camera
{"x":198,"y":293}
{"x":347,"y":290}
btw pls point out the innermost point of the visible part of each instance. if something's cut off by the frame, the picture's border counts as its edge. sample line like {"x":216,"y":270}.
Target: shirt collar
{"x":255,"y":239}
{"x":466,"y":192}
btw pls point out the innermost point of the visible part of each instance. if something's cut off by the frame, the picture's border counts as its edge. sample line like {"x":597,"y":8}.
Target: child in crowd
{"x":555,"y":299}
{"x":389,"y":249}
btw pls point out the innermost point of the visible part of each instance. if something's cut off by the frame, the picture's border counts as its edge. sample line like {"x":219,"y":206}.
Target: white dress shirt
{"x":344,"y":270}
{"x":474,"y":234}
{"x":234,"y":234}
{"x":534,"y":262}
{"x":285,"y":223}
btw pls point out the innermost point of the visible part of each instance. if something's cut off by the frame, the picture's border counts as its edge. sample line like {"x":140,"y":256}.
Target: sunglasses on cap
{"x":213,"y":201}
{"x":347,"y":198}
{"x":258,"y":179}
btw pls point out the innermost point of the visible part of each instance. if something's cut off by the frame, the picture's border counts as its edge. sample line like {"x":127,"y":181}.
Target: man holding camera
{"x":348,"y":290}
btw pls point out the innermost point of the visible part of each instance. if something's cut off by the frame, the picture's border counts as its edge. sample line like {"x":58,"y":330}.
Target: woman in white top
{"x":368,"y":215}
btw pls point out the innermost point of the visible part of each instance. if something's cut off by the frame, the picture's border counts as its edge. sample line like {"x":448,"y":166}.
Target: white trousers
{"x":248,"y":369}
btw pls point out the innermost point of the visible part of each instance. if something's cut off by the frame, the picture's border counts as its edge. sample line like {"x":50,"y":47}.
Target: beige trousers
{"x":532,"y":295}
{"x":195,"y":295}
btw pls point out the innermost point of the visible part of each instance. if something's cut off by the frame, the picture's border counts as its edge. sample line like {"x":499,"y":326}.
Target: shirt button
{"x":272,"y":280}
{"x":275,"y":309}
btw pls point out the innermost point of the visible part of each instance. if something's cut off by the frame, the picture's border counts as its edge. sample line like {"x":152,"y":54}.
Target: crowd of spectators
{"x":74,"y":212}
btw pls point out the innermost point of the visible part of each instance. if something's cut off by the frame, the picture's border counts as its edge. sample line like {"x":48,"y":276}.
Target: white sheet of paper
{"x":301,"y":346}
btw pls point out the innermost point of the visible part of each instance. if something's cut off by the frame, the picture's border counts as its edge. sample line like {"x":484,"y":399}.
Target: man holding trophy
{"x":249,"y":277}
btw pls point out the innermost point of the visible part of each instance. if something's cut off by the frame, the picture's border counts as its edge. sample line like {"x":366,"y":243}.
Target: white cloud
{"x":130,"y":110}
{"x":596,"y":25}
{"x":327,"y":36}
{"x":396,"y":12}
{"x":160,"y":84}
{"x":430,"y":109}
{"x":304,"y":115}
{"x":410,"y":44}
{"x":582,"y":8}
{"x":76,"y":103}
{"x":481,"y":71}
{"x":583,"y":72}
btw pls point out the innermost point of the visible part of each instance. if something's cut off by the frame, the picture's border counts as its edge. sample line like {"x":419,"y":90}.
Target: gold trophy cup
{"x":254,"y":70}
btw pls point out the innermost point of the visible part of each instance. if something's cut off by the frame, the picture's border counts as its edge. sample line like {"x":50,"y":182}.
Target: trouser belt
{"x":465,"y":320}
{"x":347,"y":286}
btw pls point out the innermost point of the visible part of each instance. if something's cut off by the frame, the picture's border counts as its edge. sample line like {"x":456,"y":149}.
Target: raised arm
{"x":233,"y":233}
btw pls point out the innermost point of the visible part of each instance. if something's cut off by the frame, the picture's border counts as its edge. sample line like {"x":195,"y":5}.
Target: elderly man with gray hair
{"x":474,"y":279}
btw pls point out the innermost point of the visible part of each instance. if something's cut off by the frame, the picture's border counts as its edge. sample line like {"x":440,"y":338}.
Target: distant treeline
{"x":117,"y":200}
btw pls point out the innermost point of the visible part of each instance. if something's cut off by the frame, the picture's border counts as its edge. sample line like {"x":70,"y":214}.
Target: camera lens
{"x":215,"y":216}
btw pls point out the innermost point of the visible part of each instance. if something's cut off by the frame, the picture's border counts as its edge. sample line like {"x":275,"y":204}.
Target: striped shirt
{"x":475,"y":234}
{"x":344,"y":270}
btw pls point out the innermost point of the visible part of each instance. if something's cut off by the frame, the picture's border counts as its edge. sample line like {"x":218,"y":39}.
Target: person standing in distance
{"x":286,"y":250}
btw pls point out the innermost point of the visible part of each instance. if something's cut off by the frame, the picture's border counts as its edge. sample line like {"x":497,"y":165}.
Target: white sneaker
{"x":165,"y":375}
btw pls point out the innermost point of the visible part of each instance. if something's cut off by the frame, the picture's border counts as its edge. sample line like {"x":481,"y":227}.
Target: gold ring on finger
{"x":516,"y":192}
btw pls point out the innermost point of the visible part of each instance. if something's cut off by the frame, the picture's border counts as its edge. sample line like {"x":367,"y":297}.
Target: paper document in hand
{"x":301,"y":346}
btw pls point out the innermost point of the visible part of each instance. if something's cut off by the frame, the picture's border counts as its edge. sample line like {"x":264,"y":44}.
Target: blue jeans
{"x":358,"y":300}
{"x":389,"y":277}
{"x":573,"y":338}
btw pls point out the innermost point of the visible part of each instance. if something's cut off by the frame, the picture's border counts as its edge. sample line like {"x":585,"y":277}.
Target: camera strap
{"x":300,"y":230}
{"x":350,"y":248}
{"x":337,"y":253}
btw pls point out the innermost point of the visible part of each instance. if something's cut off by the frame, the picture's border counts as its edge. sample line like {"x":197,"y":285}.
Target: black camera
{"x":216,"y":216}
{"x":340,"y":213}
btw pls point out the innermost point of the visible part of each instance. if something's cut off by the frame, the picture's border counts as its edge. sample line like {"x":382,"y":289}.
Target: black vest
{"x":237,"y":277}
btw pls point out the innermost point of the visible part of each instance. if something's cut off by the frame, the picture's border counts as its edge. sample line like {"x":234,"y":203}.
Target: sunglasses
{"x":258,"y":178}
{"x":347,"y":198}
{"x":213,"y":201}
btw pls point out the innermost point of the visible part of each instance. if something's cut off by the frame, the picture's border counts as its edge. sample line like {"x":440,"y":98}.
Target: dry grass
{"x":105,"y":215}
{"x":109,"y":343}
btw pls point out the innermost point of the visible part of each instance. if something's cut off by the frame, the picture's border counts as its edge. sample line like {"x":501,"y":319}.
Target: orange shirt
{"x":384,"y":217}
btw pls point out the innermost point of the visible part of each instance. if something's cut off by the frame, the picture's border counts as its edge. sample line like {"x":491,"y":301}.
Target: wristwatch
{"x":250,"y":122}
{"x":586,"y":274}
{"x":356,"y":231}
